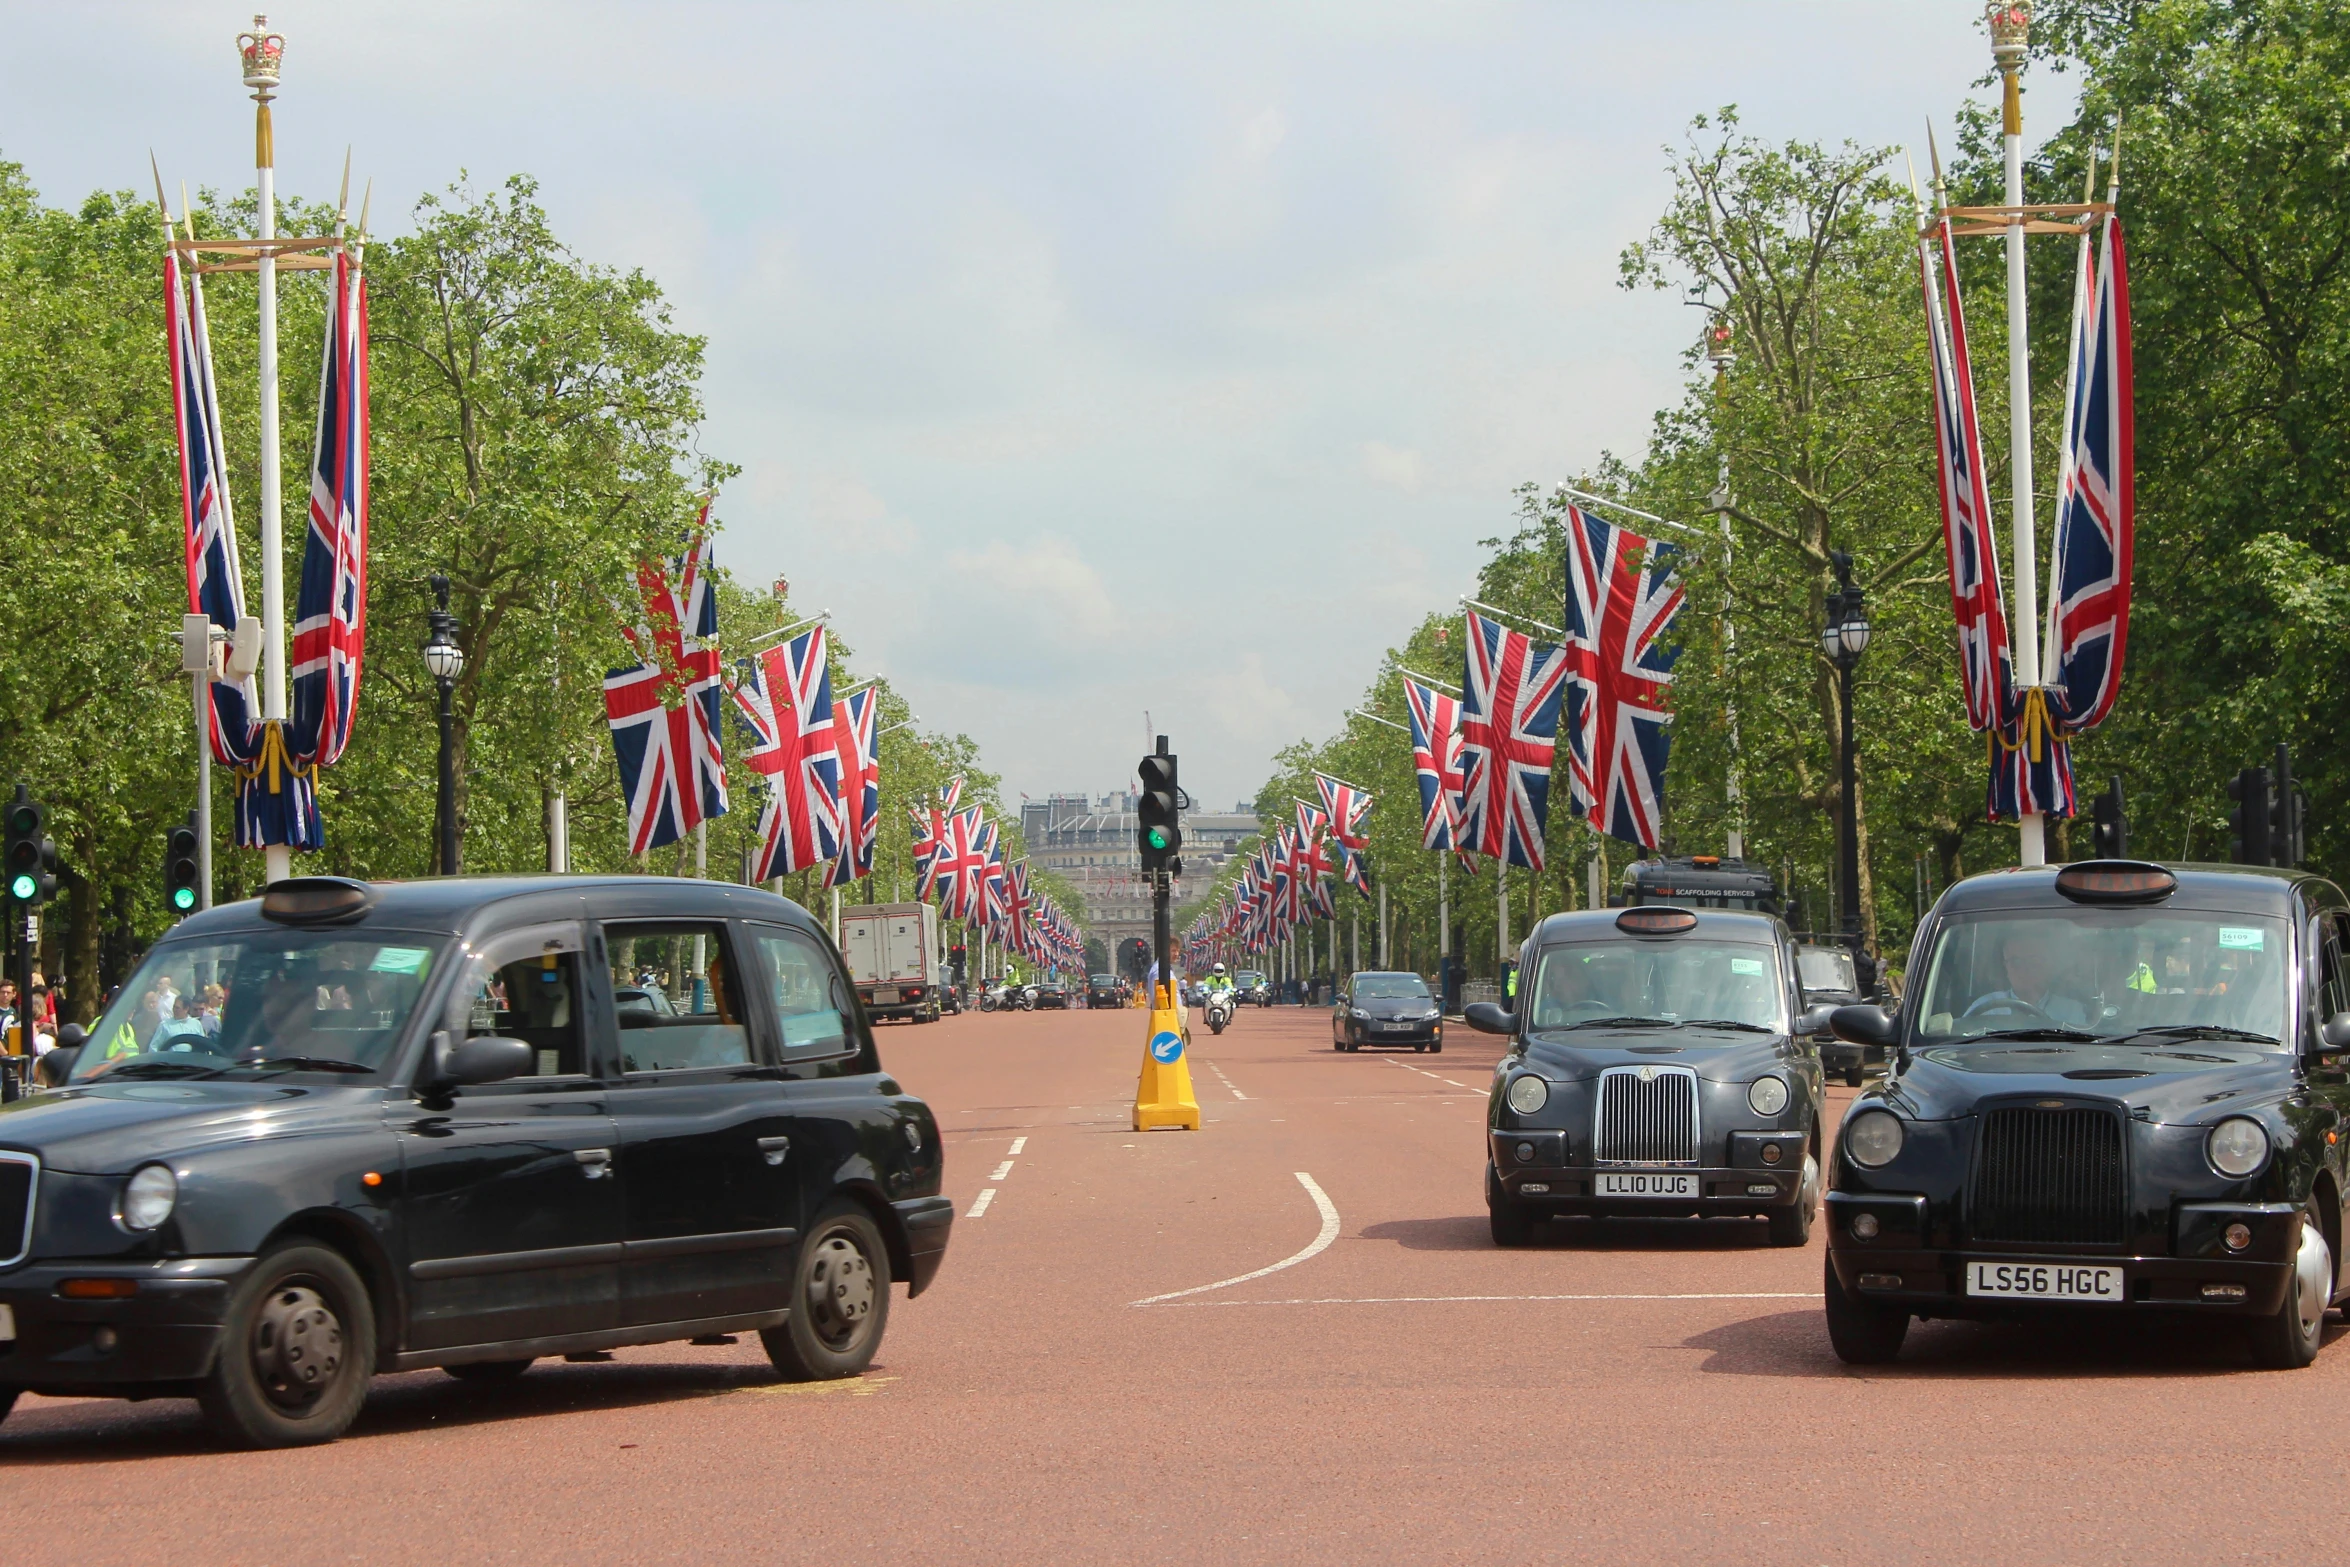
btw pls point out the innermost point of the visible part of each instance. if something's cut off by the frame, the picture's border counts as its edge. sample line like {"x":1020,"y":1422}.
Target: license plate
{"x":2045,"y":1281}
{"x":886,"y":996}
{"x":1641,"y":1183}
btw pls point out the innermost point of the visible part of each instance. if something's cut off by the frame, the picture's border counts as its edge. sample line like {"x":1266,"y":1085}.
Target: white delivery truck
{"x":893,"y":957}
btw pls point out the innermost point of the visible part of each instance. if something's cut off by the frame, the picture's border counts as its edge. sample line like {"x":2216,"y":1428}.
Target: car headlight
{"x":2237,"y":1146}
{"x":1767,"y":1095}
{"x":147,"y":1200}
{"x":1872,"y":1138}
{"x":1529,"y":1094}
{"x":1360,"y":1013}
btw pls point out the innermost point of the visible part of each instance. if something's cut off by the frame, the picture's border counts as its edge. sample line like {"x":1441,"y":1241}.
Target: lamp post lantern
{"x":1844,"y":636}
{"x":446,"y":661}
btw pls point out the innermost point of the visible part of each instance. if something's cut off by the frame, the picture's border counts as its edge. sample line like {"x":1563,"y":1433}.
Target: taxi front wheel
{"x":297,"y":1347}
{"x":2289,"y":1339}
{"x":839,"y":1302}
{"x":1862,"y":1332}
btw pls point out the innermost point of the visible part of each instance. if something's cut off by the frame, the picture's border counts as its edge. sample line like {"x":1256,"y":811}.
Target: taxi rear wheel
{"x":297,"y":1347}
{"x":1862,"y":1332}
{"x":839,"y":1302}
{"x":2289,"y":1339}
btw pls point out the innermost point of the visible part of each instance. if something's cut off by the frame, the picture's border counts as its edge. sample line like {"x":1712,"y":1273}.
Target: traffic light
{"x":180,"y":874}
{"x":2249,"y":822}
{"x":1134,"y":957}
{"x":2113,"y":828}
{"x":31,"y":858}
{"x":2285,"y":813}
{"x":1158,"y":830}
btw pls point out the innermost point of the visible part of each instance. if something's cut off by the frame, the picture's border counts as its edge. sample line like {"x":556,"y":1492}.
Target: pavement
{"x":1284,"y":1337}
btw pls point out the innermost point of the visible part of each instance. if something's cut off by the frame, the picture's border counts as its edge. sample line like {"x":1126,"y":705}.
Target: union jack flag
{"x":992,"y":896}
{"x":330,"y":615}
{"x":1986,"y":674}
{"x":684,"y":616}
{"x":648,"y":739}
{"x":672,"y":764}
{"x":216,"y":584}
{"x":929,"y":839}
{"x":1355,"y":865}
{"x":853,"y":727}
{"x":785,"y":701}
{"x":962,"y":861}
{"x":1622,"y":598}
{"x":2096,"y":500}
{"x":1509,"y":729}
{"x":1436,"y":756}
{"x":1347,"y":806}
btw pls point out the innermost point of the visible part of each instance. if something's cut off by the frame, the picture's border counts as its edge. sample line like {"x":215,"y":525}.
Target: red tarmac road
{"x":1659,"y":1391}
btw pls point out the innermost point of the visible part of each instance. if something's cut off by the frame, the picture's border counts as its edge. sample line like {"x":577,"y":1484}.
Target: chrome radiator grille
{"x":1646,"y":1115}
{"x":20,"y":1181}
{"x":2053,"y":1176}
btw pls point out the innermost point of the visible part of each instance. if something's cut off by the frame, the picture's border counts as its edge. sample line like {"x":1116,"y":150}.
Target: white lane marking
{"x":1226,"y":1081}
{"x":1002,"y":1170}
{"x":1435,"y":1300}
{"x":1407,"y":1066}
{"x":980,"y":1206}
{"x":1018,"y":1143}
{"x":1320,"y":1242}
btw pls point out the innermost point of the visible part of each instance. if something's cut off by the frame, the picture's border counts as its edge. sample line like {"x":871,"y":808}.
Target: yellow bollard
{"x":1163,"y":1097}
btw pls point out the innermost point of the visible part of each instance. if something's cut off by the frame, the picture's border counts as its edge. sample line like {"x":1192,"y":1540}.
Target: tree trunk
{"x":85,"y":919}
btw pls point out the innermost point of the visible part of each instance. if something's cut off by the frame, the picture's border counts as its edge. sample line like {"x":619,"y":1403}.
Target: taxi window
{"x":526,"y":985}
{"x":2106,"y":971}
{"x":811,"y":1004}
{"x":676,"y":996}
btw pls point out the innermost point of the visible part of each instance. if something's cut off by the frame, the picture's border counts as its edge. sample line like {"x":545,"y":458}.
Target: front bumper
{"x":1534,"y":1173}
{"x":1429,"y":1032}
{"x":167,"y":1332}
{"x":1897,"y":1268}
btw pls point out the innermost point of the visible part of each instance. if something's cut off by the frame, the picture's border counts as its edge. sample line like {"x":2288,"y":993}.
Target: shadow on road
{"x":81,"y":1431}
{"x":1473,"y":1233}
{"x":1795,"y":1344}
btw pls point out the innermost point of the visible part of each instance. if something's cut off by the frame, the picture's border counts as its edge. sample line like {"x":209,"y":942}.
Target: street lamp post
{"x":446,"y":660}
{"x":1843,"y":638}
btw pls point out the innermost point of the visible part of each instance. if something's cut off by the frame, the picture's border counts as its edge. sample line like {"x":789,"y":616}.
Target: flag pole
{"x":263,"y":53}
{"x":2010,"y":22}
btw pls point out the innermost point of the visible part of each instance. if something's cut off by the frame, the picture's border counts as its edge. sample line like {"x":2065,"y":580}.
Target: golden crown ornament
{"x":264,"y":52}
{"x":2011,"y":31}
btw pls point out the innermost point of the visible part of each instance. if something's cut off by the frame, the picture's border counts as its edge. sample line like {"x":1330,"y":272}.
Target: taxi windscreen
{"x":267,"y":1001}
{"x":2106,"y":972}
{"x":1687,"y":980}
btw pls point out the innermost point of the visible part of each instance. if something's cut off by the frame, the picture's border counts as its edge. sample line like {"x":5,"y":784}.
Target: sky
{"x":1087,"y":360}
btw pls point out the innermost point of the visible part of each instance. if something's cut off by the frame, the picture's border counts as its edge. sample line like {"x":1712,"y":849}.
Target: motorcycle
{"x":1219,"y":1009}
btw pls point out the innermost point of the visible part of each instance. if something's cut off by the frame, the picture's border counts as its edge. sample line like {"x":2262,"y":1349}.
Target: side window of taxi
{"x":2333,"y":983}
{"x":526,"y":985}
{"x":676,"y":996}
{"x":811,"y":1003}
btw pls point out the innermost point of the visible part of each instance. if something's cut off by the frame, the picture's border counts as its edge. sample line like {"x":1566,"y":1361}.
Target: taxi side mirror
{"x":1814,"y":1021}
{"x":1863,"y":1025}
{"x":2333,"y":1035}
{"x":484,"y":1059}
{"x":1487,"y":1018}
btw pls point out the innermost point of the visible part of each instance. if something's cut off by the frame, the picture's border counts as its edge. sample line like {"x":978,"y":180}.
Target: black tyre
{"x":489,"y":1370}
{"x":1791,"y":1226}
{"x":296,"y":1351}
{"x":8,"y":1400}
{"x":1437,"y":1048}
{"x":839,"y":1302}
{"x":1862,"y":1332}
{"x":1852,"y":1077}
{"x":2289,"y":1339}
{"x":1512,"y":1225}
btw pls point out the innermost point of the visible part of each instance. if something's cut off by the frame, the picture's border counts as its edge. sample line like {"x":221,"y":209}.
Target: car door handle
{"x":596,"y":1162}
{"x":774,"y":1149}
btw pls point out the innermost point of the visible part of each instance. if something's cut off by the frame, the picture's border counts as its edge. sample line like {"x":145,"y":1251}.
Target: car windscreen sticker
{"x":1746,"y":965}
{"x":2247,"y":939}
{"x":399,"y":960}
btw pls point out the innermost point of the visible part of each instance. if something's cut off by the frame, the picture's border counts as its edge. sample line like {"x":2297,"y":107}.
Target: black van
{"x":465,"y":1124}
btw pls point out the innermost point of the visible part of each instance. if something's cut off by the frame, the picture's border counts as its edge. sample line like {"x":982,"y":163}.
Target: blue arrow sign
{"x":1167,"y":1048}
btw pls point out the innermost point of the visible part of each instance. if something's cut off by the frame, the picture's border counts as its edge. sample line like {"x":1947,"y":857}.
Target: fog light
{"x":2239,"y":1236}
{"x":1525,"y":1153}
{"x":1762,"y":1190}
{"x":2223,"y":1292}
{"x":103,"y":1341}
{"x":1535,"y":1188}
{"x":1880,"y":1281}
{"x":1772,"y":1153}
{"x":1865,"y":1226}
{"x":98,"y":1289}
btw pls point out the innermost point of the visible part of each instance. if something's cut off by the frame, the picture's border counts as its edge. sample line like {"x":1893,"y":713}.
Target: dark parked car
{"x":1830,"y":979}
{"x":2116,"y":1088}
{"x":1386,"y":1009}
{"x":1101,"y":990}
{"x":1658,"y":1065}
{"x":448,"y":1123}
{"x":1253,"y":987}
{"x":1052,"y":993}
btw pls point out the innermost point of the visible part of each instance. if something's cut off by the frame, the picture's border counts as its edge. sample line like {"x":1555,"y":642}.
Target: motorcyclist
{"x":1218,"y":979}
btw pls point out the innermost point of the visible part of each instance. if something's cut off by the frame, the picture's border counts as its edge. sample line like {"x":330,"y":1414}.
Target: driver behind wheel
{"x":2030,"y":966}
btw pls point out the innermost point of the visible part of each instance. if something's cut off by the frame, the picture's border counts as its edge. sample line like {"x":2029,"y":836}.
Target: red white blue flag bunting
{"x":785,"y":701}
{"x":1622,"y":599}
{"x":1436,"y":758}
{"x":1510,"y":688}
{"x":2096,"y":493}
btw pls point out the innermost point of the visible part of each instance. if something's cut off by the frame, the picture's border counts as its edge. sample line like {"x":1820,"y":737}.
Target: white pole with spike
{"x":2010,"y":22}
{"x":263,"y":53}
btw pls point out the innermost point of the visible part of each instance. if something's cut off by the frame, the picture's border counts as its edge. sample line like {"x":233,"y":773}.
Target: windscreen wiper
{"x":1727,"y":1022}
{"x":1625,"y":1022}
{"x":305,"y":1064}
{"x":163,"y":1069}
{"x":2204,"y":1031}
{"x":2043,"y":1031}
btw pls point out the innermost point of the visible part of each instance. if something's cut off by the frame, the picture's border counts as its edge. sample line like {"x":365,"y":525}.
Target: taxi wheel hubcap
{"x":297,"y":1346}
{"x":2313,"y":1275}
{"x":840,"y":1290}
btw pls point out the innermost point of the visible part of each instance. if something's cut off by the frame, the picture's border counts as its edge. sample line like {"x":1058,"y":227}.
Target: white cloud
{"x":1397,"y":467}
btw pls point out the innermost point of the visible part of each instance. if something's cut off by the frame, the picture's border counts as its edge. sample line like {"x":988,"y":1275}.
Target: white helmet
{"x":1218,"y":969}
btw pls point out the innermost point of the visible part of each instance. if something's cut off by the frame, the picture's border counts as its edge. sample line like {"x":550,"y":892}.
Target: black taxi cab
{"x":1659,"y":1065}
{"x":2114,"y":1087}
{"x":465,"y":1124}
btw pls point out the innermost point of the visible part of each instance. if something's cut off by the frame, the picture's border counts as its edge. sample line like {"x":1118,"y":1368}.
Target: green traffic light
{"x":1158,"y":837}
{"x":22,"y":889}
{"x":183,"y":897}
